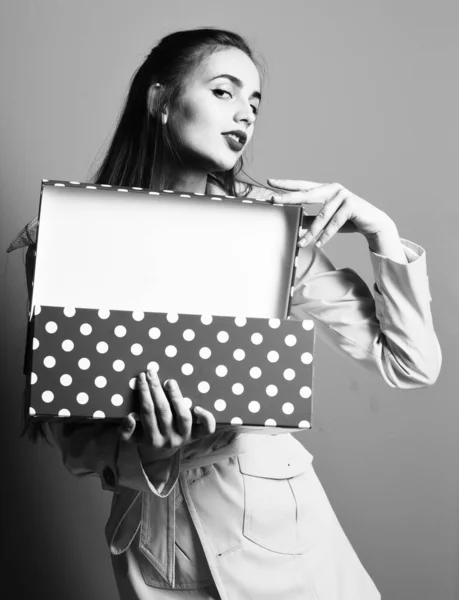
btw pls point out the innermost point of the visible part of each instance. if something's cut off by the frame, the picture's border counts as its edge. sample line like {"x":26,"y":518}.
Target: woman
{"x":206,"y":511}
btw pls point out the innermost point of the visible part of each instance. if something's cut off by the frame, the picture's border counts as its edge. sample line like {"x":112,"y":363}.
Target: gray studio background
{"x":360,"y":92}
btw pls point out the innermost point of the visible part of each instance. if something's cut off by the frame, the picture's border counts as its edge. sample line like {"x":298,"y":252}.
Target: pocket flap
{"x":283,"y":457}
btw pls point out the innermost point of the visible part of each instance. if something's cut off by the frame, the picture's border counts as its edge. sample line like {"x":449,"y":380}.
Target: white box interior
{"x":163,"y":253}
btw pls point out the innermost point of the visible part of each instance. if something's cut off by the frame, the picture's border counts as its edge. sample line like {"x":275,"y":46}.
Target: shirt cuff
{"x":158,"y":477}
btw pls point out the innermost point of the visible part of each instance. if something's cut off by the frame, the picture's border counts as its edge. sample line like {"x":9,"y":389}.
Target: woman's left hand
{"x":340,"y":206}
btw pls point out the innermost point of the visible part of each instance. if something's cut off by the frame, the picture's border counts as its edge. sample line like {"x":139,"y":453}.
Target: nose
{"x":245,"y":113}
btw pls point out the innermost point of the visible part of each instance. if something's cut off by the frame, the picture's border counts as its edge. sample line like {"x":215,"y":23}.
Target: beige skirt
{"x":253,"y":526}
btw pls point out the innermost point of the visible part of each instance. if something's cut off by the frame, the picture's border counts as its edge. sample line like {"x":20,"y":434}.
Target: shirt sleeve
{"x":96,"y":449}
{"x":392,"y":333}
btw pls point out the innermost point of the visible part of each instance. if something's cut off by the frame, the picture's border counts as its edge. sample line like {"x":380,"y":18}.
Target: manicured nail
{"x":319,"y":244}
{"x":303,"y":242}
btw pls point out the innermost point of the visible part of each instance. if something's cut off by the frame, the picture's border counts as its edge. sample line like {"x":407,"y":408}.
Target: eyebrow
{"x":237,"y":82}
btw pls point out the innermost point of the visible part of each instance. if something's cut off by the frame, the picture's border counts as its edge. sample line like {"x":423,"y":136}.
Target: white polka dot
{"x":239,"y":354}
{"x":306,"y":358}
{"x":86,"y":329}
{"x":308,"y":324}
{"x":136,"y":349}
{"x":37,"y":309}
{"x":99,"y":414}
{"x":238,"y":388}
{"x":203,"y":387}
{"x":255,"y":372}
{"x":154,"y":333}
{"x":305,"y":392}
{"x":221,"y":371}
{"x":51,"y":327}
{"x":138,"y":315}
{"x":270,"y":423}
{"x":187,"y":369}
{"x":100,"y":381}
{"x":49,"y":362}
{"x":205,"y":352}
{"x":132,"y":383}
{"x":236,"y":421}
{"x":84,"y":363}
{"x":66,"y":380}
{"x":82,"y":398}
{"x":33,"y":378}
{"x":271,"y":390}
{"x":288,"y":408}
{"x":171,"y":351}
{"x":273,"y":356}
{"x":35,"y":343}
{"x":152,"y":365}
{"x":206,"y":319}
{"x":220,"y":405}
{"x":290,"y":340}
{"x":222,"y":336}
{"x":254,"y":406}
{"x":69,"y":311}
{"x":103,"y":313}
{"x":117,"y":400}
{"x":256,"y":338}
{"x":118,"y":365}
{"x":274,"y":323}
{"x":240,"y":321}
{"x":120,"y":331}
{"x":188,"y":335}
{"x":47,"y":396}
{"x":304,"y":424}
{"x":289,"y":374}
{"x":64,"y":412}
{"x":32,"y":411}
{"x":188,"y":403}
{"x":172,"y":317}
{"x":102,"y":347}
{"x":67,"y":345}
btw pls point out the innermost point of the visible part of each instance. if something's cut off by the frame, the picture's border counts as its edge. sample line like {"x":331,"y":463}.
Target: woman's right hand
{"x":165,"y":421}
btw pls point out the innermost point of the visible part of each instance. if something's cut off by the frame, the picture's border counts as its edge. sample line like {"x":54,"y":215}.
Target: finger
{"x":162,"y":409}
{"x":320,"y":221}
{"x":127,"y":428}
{"x":205,"y":420}
{"x":183,"y":418}
{"x":333,"y":226}
{"x":293,"y":184}
{"x":147,"y":411}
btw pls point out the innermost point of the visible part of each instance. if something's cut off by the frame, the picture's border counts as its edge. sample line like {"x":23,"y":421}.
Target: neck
{"x":187,"y":180}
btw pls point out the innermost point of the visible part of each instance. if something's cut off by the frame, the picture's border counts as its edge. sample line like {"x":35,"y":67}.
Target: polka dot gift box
{"x":96,"y":322}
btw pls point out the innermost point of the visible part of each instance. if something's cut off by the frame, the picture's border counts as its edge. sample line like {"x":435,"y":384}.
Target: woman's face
{"x":221,"y":96}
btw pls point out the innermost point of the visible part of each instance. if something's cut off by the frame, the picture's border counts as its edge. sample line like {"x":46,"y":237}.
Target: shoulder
{"x":26,"y":237}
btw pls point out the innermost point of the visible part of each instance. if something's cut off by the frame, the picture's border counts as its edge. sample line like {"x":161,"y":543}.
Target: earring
{"x":164,"y":118}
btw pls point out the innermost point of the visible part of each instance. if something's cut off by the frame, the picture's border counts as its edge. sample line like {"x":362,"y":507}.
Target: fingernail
{"x":302,"y":242}
{"x":142,"y":377}
{"x":170,"y":383}
{"x":152,"y":372}
{"x":197,"y":409}
{"x":319,"y":244}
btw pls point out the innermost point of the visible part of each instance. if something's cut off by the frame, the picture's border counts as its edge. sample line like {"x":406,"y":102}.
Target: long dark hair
{"x":141,"y":144}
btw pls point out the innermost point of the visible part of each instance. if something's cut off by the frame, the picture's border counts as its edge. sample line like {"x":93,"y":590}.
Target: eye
{"x":255,"y":109}
{"x":219,"y":93}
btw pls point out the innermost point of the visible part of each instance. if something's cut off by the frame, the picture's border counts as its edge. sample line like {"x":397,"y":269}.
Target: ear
{"x":154,"y":102}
